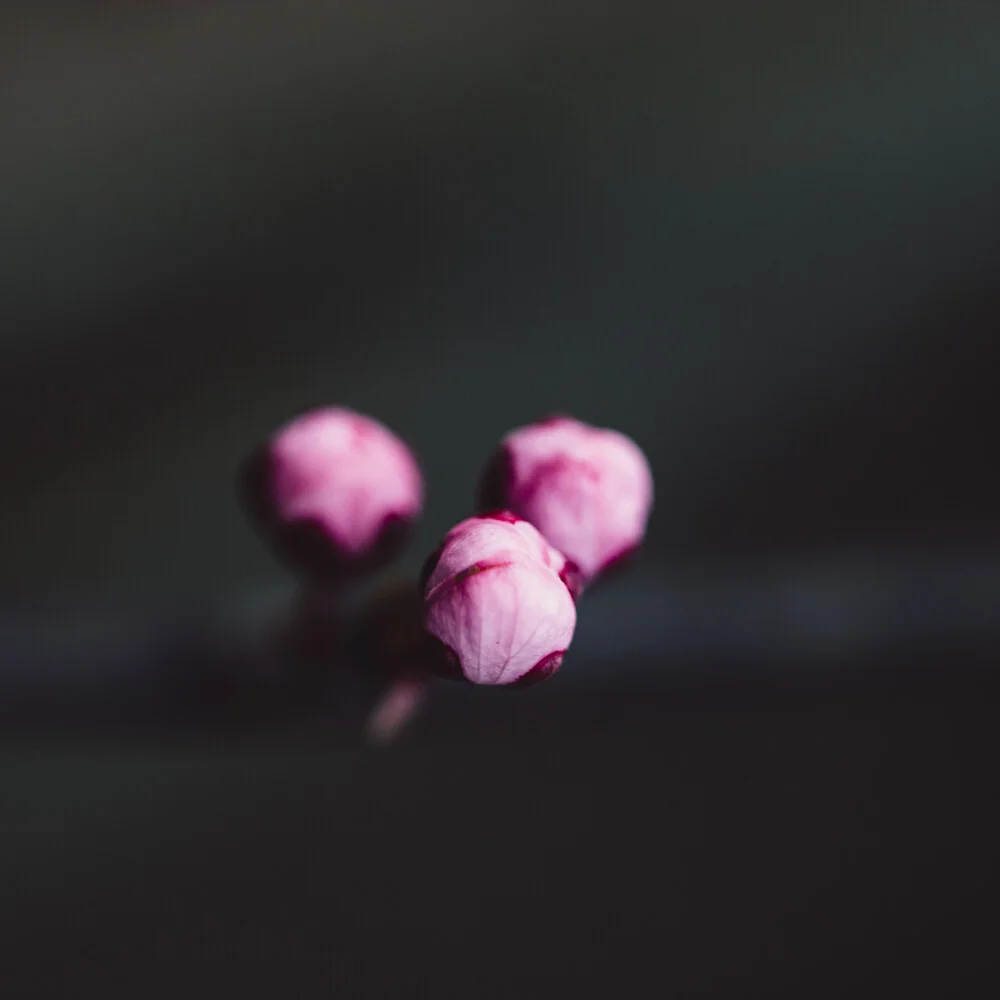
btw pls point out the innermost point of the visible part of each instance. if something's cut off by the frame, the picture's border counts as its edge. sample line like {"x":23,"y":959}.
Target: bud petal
{"x":589,"y":490}
{"x":333,"y":491}
{"x":495,"y":600}
{"x":493,"y":537}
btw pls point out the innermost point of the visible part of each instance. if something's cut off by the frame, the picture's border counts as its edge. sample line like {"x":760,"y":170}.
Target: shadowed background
{"x":762,"y":239}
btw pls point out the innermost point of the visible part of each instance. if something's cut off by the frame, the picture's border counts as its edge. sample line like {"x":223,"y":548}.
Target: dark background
{"x":762,"y":239}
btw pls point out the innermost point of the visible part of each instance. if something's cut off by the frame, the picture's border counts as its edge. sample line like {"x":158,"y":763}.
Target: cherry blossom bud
{"x":495,"y":599}
{"x":334,"y":492}
{"x":588,"y":490}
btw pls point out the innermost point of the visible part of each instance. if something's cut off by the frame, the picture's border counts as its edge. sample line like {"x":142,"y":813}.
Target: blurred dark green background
{"x":761,"y":238}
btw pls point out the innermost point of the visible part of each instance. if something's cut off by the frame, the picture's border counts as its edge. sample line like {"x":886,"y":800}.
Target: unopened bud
{"x":333,"y":492}
{"x":495,"y":598}
{"x":588,"y":490}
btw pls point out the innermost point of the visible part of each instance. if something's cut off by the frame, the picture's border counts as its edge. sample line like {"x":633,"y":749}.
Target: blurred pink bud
{"x":588,"y":490}
{"x":334,"y":492}
{"x":495,"y":598}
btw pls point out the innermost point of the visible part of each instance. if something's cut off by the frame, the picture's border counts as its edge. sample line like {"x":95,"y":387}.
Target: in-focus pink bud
{"x":333,"y":492}
{"x":494,"y":597}
{"x":588,"y":490}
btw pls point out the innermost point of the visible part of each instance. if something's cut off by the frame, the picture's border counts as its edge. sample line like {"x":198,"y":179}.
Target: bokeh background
{"x":763,"y":239}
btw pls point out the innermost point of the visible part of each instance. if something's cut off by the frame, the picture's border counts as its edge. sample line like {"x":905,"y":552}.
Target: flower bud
{"x":494,"y":598}
{"x":588,"y":490}
{"x":333,"y":492}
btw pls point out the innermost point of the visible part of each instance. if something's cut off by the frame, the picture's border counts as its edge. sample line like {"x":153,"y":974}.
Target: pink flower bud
{"x":494,"y":597}
{"x":587,"y":489}
{"x":333,"y":492}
